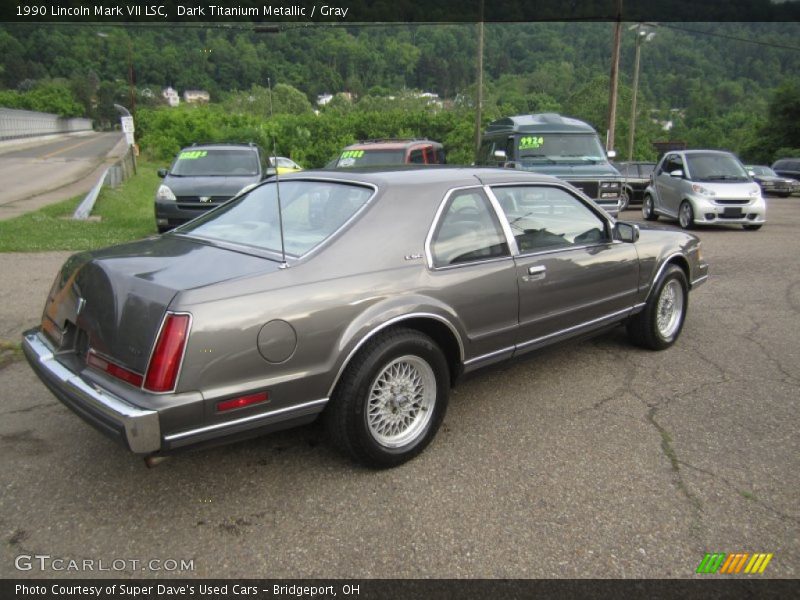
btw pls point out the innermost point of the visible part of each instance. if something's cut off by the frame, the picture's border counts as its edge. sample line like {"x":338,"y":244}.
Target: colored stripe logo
{"x":732,"y":564}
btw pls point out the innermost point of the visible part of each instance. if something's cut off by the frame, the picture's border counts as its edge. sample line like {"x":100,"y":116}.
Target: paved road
{"x":53,"y":170}
{"x":587,"y":460}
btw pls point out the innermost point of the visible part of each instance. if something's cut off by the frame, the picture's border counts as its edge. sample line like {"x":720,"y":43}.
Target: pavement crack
{"x":744,"y":493}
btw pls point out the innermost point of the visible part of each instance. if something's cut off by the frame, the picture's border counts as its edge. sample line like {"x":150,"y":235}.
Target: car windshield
{"x":225,"y":162}
{"x":370,"y":158}
{"x":312,"y":211}
{"x":715,"y":167}
{"x":559,"y":147}
{"x":762,"y":171}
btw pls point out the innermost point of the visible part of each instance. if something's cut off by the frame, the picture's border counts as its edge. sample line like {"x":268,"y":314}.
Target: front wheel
{"x":648,"y":211}
{"x":391,"y":399}
{"x":660,"y":323}
{"x":625,"y":200}
{"x":686,"y":215}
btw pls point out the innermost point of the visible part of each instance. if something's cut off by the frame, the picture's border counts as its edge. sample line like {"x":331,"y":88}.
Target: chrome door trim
{"x":608,"y":317}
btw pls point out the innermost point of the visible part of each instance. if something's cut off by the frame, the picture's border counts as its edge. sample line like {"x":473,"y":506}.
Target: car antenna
{"x":284,"y":264}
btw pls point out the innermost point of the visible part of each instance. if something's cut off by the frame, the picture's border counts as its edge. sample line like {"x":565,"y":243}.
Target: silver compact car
{"x":358,"y":297}
{"x":704,"y":187}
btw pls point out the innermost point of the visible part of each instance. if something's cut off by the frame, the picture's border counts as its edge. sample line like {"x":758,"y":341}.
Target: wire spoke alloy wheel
{"x":669,"y":309}
{"x":401,"y":401}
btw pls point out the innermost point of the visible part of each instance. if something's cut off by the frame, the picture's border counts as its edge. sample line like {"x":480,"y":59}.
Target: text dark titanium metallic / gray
{"x":397,"y":283}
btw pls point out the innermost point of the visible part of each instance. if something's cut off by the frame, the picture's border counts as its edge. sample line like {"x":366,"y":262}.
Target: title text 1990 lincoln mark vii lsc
{"x":362,"y":300}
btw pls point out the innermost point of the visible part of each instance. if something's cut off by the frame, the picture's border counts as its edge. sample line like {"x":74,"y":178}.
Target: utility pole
{"x":612,"y":93}
{"x":479,"y":92}
{"x":642,"y":35}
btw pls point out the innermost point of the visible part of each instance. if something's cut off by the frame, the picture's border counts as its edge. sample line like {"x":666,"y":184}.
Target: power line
{"x":730,"y":37}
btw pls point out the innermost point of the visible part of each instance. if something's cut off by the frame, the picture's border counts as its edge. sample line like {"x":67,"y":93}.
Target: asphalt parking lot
{"x":594,"y":459}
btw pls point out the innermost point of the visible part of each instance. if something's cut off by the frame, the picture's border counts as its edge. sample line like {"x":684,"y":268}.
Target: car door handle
{"x":535,"y":273}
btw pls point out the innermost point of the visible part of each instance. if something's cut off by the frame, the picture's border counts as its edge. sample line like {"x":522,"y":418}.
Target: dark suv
{"x":387,"y":152}
{"x":203,"y":176}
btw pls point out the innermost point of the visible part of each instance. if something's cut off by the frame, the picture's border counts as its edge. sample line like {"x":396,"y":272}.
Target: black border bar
{"x":706,"y":588}
{"x":410,"y":11}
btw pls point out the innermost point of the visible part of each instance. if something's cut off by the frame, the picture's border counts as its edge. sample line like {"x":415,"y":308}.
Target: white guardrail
{"x":16,"y":124}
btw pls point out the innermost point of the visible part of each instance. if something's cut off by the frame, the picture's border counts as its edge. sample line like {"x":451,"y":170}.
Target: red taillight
{"x":98,"y":362}
{"x":242,"y":401}
{"x":162,"y":372}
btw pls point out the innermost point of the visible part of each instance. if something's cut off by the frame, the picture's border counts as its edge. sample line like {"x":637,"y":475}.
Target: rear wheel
{"x":648,"y":211}
{"x":391,"y":399}
{"x":686,"y":215}
{"x":660,"y":323}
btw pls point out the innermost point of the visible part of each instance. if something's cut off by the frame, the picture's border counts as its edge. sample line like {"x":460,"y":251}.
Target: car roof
{"x":391,"y":144}
{"x":539,"y":123}
{"x":700,"y":151}
{"x":453,"y":176}
{"x":223,"y":146}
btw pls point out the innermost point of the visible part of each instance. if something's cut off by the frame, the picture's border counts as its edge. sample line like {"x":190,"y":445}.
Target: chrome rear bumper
{"x":136,"y":428}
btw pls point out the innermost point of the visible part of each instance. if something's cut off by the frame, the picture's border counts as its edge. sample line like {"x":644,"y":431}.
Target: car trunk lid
{"x":113,"y":301}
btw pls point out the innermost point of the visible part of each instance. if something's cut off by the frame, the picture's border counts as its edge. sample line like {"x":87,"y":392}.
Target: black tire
{"x":686,"y":215}
{"x":648,"y":210}
{"x":748,"y":227}
{"x":163,"y":228}
{"x":355,"y":430}
{"x":645,"y":329}
{"x":626,"y":200}
{"x":784,"y":194}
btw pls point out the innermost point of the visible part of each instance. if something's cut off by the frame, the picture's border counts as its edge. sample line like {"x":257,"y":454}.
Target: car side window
{"x":672,"y":163}
{"x":549,"y":218}
{"x":468,"y":231}
{"x":416,"y":157}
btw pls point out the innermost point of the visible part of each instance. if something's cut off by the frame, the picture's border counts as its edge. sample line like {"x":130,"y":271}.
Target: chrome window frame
{"x":437,"y":221}
{"x":597,"y":211}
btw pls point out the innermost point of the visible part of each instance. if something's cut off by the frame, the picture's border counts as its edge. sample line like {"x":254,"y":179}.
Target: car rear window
{"x":370,"y":158}
{"x":215,"y":162}
{"x":312,"y":211}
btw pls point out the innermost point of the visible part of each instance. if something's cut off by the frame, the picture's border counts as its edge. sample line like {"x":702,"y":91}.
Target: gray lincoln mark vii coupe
{"x":361,"y":301}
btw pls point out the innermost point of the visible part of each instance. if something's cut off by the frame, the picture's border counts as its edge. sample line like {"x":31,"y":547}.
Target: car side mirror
{"x":626,"y":232}
{"x":676,"y":173}
{"x":499,"y":154}
{"x":751,"y":173}
{"x":163,"y":173}
{"x":612,"y":154}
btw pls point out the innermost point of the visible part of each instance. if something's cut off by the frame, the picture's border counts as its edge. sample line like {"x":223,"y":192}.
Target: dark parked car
{"x":203,"y":176}
{"x":636,"y":178}
{"x":787,"y":167}
{"x":771,"y":183}
{"x":383,"y":289}
{"x":382,"y":153}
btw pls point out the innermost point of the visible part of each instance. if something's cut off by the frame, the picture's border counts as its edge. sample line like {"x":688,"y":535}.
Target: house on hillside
{"x":196,"y":96}
{"x":171,"y":96}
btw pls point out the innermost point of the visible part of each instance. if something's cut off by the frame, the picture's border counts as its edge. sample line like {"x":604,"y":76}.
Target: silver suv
{"x":704,"y":187}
